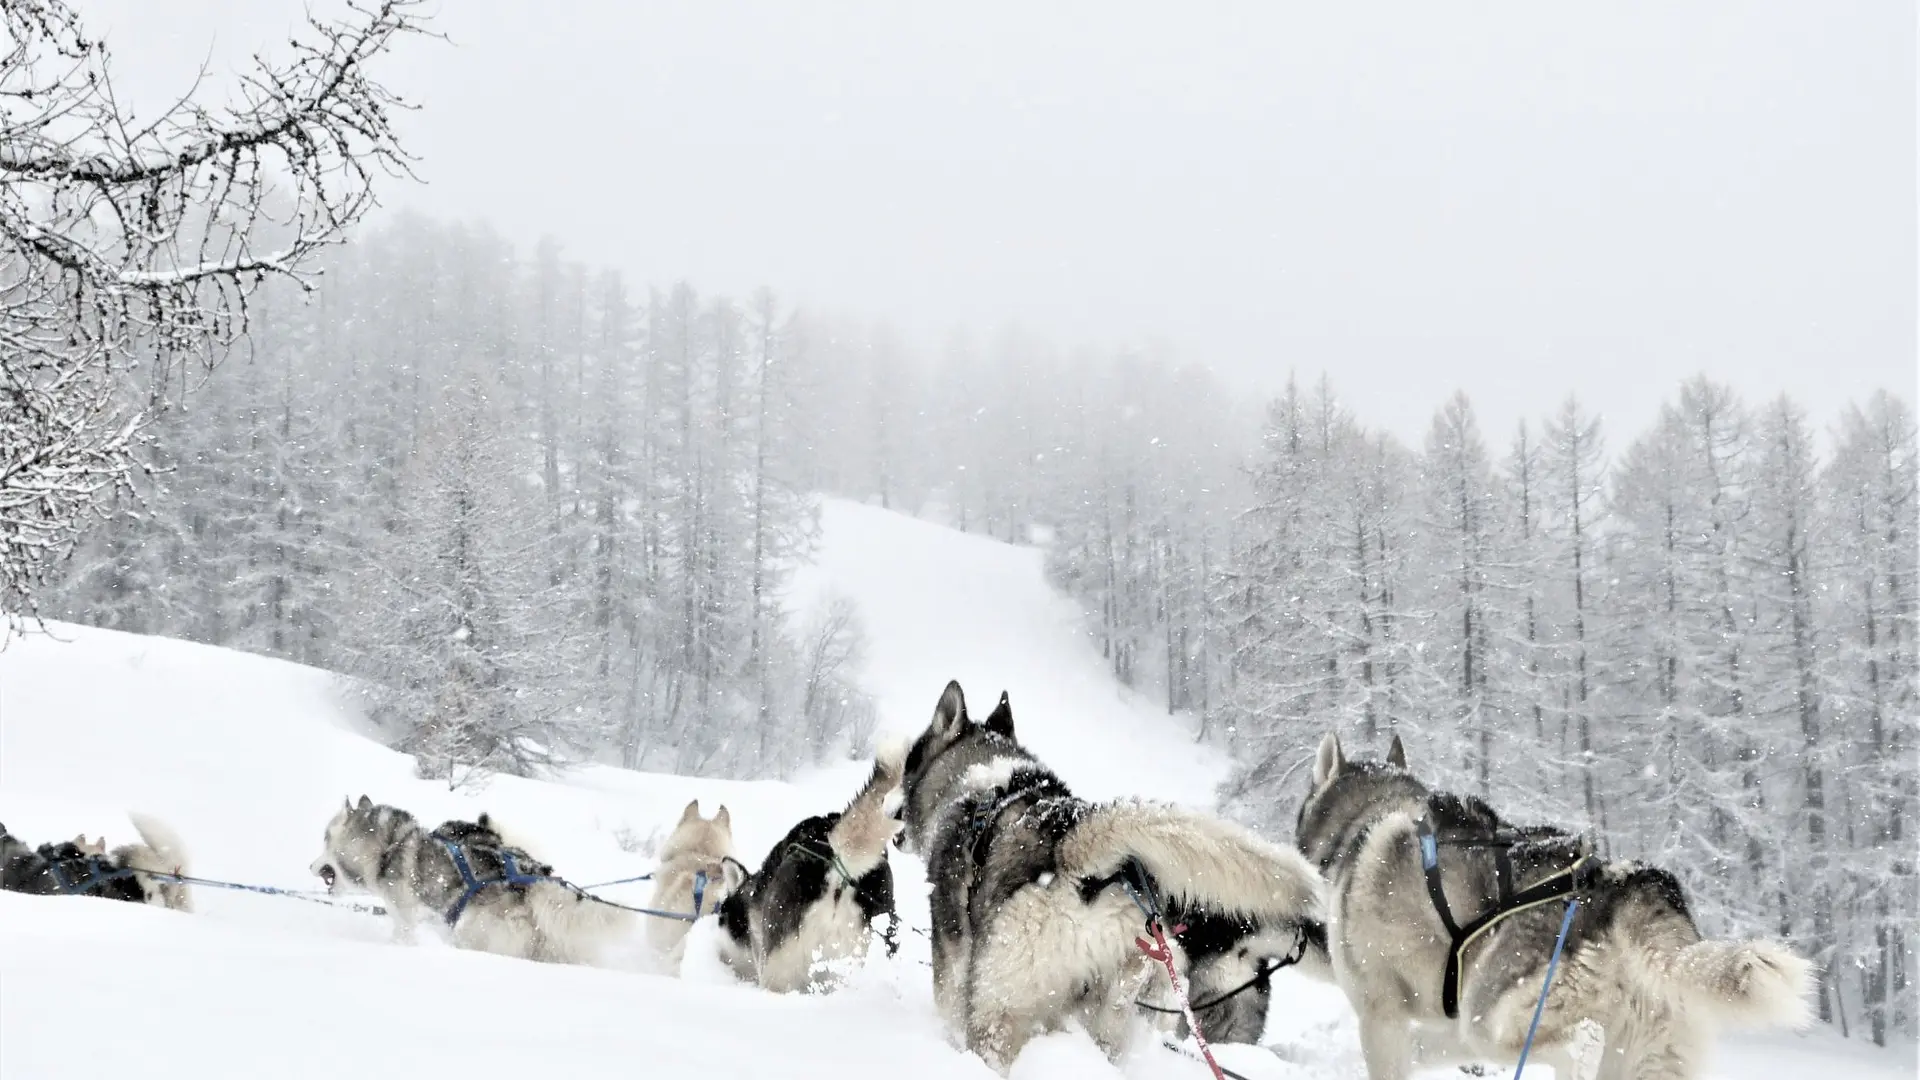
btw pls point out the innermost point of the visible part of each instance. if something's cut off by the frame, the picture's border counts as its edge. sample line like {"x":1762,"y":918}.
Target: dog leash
{"x":1265,"y":973}
{"x":1559,"y":943}
{"x":831,"y":860}
{"x":618,"y":881}
{"x":699,"y":891}
{"x":308,"y":895}
{"x":1136,"y":880}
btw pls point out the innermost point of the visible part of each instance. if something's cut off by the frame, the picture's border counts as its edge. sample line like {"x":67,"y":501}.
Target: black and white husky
{"x":1037,"y":894}
{"x":141,"y":873}
{"x":491,"y":893}
{"x":1638,"y":993}
{"x":808,"y":912}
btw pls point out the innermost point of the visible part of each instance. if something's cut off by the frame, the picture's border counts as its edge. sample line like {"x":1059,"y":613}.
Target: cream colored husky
{"x":697,"y":846}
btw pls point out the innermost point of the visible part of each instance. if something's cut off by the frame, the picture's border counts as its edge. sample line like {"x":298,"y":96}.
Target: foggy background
{"x":1507,"y":199}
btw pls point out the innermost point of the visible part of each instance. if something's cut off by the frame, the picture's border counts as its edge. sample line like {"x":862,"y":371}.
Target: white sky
{"x":1517,"y":199}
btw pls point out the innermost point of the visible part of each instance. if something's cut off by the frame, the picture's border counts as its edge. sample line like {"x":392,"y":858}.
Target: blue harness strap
{"x":699,"y":892}
{"x":1559,"y":943}
{"x":510,"y":875}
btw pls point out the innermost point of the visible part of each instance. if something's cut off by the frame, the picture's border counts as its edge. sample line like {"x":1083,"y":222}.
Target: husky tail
{"x":1737,"y":985}
{"x":867,"y":826}
{"x":159,"y":852}
{"x":1196,"y":861}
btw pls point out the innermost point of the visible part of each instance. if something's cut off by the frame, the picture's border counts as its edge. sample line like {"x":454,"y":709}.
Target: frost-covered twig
{"x":123,"y":243}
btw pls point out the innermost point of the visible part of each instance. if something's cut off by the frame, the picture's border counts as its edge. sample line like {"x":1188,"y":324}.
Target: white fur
{"x":833,"y":931}
{"x":1045,"y":943}
{"x":159,"y":852}
{"x":697,"y":845}
{"x":1041,"y":947}
{"x":1194,"y":856}
{"x":1737,"y":985}
{"x":554,"y":925}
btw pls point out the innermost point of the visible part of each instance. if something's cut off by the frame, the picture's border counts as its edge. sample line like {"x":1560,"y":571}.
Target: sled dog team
{"x":1433,"y":915}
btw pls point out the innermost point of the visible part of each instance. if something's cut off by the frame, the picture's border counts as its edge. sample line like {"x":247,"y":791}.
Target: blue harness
{"x":95,"y":875}
{"x":513,"y":875}
{"x":510,"y":875}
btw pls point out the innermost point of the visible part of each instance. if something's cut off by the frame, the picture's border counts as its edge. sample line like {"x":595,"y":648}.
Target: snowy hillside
{"x":247,"y":757}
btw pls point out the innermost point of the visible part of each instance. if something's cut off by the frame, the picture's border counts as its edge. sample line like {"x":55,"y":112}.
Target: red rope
{"x":1159,"y":950}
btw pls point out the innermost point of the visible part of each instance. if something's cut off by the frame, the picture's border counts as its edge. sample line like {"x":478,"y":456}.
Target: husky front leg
{"x":950,"y":960}
{"x":404,"y":913}
{"x":1007,"y":999}
{"x":1109,"y":1017}
{"x":1386,"y":1043}
{"x":950,"y":985}
{"x":998,"y":1035}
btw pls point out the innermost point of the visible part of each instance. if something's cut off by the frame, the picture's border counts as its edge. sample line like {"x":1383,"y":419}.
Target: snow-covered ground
{"x":247,"y":757}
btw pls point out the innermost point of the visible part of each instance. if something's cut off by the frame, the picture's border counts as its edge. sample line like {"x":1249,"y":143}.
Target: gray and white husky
{"x":384,"y":850}
{"x":809,"y":910}
{"x":1033,"y":890}
{"x":1638,"y":993}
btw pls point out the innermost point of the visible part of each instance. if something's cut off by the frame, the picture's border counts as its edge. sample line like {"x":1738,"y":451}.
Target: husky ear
{"x":1001,"y":719}
{"x":365,"y":803}
{"x":692,"y":812}
{"x":1330,"y":761}
{"x":1396,"y":754}
{"x":724,"y":819}
{"x":950,"y":714}
{"x":484,"y":821}
{"x":346,"y":801}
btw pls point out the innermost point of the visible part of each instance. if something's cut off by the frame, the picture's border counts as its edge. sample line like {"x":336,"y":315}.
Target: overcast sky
{"x":1518,"y":199}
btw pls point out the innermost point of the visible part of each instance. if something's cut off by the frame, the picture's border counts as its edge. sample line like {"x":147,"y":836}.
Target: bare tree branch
{"x":123,"y":244}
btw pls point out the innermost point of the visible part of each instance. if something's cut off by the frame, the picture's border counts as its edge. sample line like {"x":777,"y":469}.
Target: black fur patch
{"x":487,"y":851}
{"x":799,"y":871}
{"x":1000,"y":721}
{"x":1212,"y":934}
{"x":41,"y":871}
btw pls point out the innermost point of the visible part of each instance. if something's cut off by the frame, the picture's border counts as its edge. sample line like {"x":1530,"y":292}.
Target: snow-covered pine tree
{"x":781,"y":518}
{"x":1574,"y":482}
{"x":1461,"y":522}
{"x":1528,"y":654}
{"x":464,"y":645}
{"x":1311,"y":595}
{"x":1872,"y":677}
{"x":1651,"y":631}
{"x":1788,"y":561}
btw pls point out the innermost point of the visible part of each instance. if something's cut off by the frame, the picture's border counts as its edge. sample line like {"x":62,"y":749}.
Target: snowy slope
{"x":247,"y":757}
{"x":938,"y":604}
